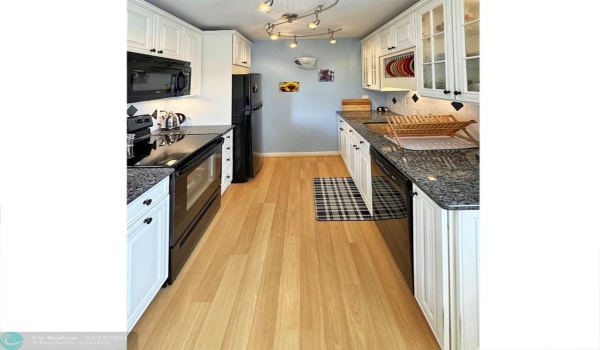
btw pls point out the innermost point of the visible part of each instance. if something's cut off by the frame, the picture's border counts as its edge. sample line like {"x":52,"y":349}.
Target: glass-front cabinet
{"x":448,"y":50}
{"x":370,"y":63}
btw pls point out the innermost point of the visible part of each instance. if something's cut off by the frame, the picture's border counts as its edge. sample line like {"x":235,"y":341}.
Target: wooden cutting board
{"x":356,"y":105}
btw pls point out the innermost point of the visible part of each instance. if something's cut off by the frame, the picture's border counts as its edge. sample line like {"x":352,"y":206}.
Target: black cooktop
{"x":169,"y":150}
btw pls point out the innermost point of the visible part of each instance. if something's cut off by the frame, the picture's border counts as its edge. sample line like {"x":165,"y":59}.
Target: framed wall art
{"x":289,"y":86}
{"x":326,"y":75}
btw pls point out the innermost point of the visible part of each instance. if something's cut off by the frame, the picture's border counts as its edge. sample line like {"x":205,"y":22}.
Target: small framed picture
{"x":289,"y":86}
{"x":326,"y":75}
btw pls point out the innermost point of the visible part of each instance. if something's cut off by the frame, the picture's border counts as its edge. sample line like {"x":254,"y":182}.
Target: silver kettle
{"x":170,"y":120}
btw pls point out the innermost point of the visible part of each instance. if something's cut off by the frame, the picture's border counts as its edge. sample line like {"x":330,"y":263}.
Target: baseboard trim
{"x":299,"y":154}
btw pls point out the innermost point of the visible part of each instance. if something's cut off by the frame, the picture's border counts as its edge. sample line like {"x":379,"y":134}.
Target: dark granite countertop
{"x":449,"y":177}
{"x":140,"y":180}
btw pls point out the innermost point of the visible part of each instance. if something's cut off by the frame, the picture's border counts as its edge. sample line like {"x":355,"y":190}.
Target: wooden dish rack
{"x":427,"y":125}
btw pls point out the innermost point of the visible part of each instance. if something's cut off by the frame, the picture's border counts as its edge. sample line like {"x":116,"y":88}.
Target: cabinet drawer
{"x":227,"y":160}
{"x":228,"y":137}
{"x":143,"y":203}
{"x":226,"y":178}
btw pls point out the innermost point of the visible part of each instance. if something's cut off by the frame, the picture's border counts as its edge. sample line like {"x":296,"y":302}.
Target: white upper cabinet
{"x":192,"y":52}
{"x":398,"y":37}
{"x":370,"y":63}
{"x":448,"y":50}
{"x":151,"y":33}
{"x":241,"y":51}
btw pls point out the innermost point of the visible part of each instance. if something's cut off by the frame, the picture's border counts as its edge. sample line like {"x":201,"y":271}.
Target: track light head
{"x":265,"y":6}
{"x":315,"y":24}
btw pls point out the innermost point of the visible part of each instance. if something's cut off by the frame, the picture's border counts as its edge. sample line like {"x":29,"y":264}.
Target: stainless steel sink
{"x":377,"y":127}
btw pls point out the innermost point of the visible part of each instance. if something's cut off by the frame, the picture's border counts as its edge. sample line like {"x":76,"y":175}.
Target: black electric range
{"x":169,"y":150}
{"x":195,"y":185}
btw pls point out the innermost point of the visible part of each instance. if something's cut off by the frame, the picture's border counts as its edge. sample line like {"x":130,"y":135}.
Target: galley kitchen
{"x":301,"y":175}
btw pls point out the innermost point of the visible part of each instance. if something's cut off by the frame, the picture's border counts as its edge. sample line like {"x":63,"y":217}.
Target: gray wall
{"x":305,"y":121}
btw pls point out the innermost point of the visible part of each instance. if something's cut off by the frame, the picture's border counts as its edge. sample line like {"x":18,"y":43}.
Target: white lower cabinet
{"x":446,"y":262}
{"x":227,"y":161}
{"x":147,"y":249}
{"x":355,"y":152}
{"x":464,"y":280}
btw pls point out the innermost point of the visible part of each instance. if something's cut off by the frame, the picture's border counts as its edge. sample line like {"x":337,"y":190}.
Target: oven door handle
{"x":206,"y":153}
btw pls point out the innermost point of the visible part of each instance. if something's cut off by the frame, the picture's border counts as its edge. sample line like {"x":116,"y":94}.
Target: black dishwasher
{"x":390,"y":184}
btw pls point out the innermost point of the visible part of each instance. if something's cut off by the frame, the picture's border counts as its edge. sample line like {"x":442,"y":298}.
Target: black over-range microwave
{"x":153,"y":77}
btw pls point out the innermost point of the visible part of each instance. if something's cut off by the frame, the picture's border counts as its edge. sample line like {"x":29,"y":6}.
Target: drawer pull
{"x":227,"y":177}
{"x":228,"y":148}
{"x":228,"y":159}
{"x":147,"y":221}
{"x":148,"y":201}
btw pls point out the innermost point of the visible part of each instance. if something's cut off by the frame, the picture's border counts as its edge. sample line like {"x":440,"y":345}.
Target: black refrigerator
{"x":247,"y":117}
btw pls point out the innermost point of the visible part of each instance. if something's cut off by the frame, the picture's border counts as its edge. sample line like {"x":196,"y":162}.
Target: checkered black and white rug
{"x":338,"y":199}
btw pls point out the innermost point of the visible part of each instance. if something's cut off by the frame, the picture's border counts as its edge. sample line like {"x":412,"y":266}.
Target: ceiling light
{"x":265,"y":6}
{"x":315,"y":24}
{"x":331,"y":39}
{"x":290,"y":18}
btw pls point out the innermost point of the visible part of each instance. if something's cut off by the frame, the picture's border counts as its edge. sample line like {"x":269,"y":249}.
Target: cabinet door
{"x":147,"y":259}
{"x":435,"y":77}
{"x":192,"y":52}
{"x":466,"y":34}
{"x":140,"y":29}
{"x":464,"y":235}
{"x":350,"y":150}
{"x":241,"y":52}
{"x":342,"y":138}
{"x":364,"y":177}
{"x":169,"y":38}
{"x":374,"y":64}
{"x":403,"y":34}
{"x":385,"y":42}
{"x":370,"y":63}
{"x":365,"y":64}
{"x":247,"y":54}
{"x":430,"y":239}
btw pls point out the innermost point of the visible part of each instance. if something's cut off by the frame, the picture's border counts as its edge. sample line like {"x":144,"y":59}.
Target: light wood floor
{"x":267,"y":275}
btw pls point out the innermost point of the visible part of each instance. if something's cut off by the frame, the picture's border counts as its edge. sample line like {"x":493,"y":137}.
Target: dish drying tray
{"x":427,"y":125}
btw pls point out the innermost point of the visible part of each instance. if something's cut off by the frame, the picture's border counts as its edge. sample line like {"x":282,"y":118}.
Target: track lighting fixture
{"x":315,"y":24}
{"x":331,"y":39}
{"x":289,"y":18}
{"x":266,"y":6}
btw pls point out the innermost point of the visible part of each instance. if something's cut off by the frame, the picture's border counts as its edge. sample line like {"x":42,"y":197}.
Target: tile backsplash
{"x":406,"y":105}
{"x":191,"y":107}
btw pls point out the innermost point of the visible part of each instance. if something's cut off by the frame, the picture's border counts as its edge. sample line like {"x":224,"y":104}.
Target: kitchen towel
{"x":338,"y":199}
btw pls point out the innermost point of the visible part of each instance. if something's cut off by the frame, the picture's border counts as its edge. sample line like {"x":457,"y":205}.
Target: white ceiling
{"x":356,"y":18}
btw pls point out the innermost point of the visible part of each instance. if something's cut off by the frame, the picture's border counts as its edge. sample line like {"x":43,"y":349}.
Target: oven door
{"x":397,"y":233}
{"x":195,"y":183}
